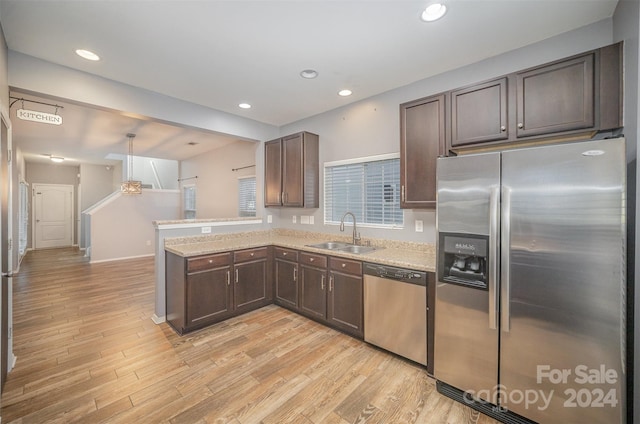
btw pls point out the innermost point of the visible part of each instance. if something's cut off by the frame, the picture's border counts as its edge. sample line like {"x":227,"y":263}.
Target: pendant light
{"x":130,"y":186}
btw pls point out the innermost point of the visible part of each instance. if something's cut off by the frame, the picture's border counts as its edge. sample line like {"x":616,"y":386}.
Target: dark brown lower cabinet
{"x":208,"y":296}
{"x":313,"y":282}
{"x":286,"y":278}
{"x":206,"y":289}
{"x":345,"y":297}
{"x":251,"y":288}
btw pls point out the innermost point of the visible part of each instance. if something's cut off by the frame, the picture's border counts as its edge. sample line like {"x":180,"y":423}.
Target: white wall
{"x":372,"y":126}
{"x":96,"y":183}
{"x":217,"y":184}
{"x":122,"y":228}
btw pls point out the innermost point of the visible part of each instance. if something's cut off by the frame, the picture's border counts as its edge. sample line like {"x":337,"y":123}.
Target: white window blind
{"x":189,"y":201}
{"x":247,"y":196}
{"x":370,"y":188}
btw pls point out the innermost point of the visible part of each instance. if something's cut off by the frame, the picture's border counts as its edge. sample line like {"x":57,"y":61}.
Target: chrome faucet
{"x":356,"y":234}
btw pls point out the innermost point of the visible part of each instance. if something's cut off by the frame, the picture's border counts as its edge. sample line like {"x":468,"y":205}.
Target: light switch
{"x":206,"y":230}
{"x":311,"y":220}
{"x":419,"y":226}
{"x":269,"y":219}
{"x":294,"y":219}
{"x":304,"y":219}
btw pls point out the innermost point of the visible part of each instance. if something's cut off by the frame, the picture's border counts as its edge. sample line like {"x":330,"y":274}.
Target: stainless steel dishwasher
{"x":395,"y":310}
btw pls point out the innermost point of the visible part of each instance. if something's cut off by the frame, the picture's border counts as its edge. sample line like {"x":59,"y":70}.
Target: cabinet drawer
{"x":286,"y":254}
{"x":312,"y":259}
{"x":345,"y":265}
{"x":201,"y":263}
{"x":250,"y":254}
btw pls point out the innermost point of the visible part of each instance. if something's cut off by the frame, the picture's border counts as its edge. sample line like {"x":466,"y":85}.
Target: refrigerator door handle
{"x":505,"y":282}
{"x":494,"y":214}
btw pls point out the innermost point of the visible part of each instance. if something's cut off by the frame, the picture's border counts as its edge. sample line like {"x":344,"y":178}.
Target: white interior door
{"x":53,"y":215}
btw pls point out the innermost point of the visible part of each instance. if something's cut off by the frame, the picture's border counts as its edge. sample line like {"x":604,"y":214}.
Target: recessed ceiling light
{"x":309,"y":74}
{"x":57,"y":159}
{"x":86,"y":54}
{"x":344,"y":93}
{"x":433,"y":12}
{"x":192,"y":143}
{"x":244,"y":106}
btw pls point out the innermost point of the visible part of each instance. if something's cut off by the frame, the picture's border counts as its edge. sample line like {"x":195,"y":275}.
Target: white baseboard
{"x":158,"y":320}
{"x":122,"y":259}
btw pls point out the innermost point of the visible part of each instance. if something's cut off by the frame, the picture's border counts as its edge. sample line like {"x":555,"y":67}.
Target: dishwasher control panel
{"x":394,"y":273}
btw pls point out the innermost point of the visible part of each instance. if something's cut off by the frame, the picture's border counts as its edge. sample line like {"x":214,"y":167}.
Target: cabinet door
{"x":250,"y":285}
{"x":479,"y":113}
{"x":313,"y":295}
{"x":422,"y":140}
{"x":208,"y":296}
{"x":556,"y":97}
{"x":345,"y":303}
{"x":292,"y":178}
{"x":272,"y":173}
{"x":287,"y":284}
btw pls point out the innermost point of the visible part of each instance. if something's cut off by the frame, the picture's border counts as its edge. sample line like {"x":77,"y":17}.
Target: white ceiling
{"x":221,"y":53}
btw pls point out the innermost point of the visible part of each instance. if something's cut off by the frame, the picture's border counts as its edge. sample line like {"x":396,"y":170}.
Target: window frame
{"x":354,"y":161}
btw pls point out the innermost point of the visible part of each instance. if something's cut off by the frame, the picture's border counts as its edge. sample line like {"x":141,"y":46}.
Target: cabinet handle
{"x":330,"y":282}
{"x":278,"y":201}
{"x":311,"y":259}
{"x":344,"y":265}
{"x":210,"y":261}
{"x":228,"y":278}
{"x":295,"y":274}
{"x":252,"y":254}
{"x":322,"y":283}
{"x":282,"y":197}
{"x":402,"y":193}
{"x":503,"y":128}
{"x":236,"y":276}
{"x":284,"y":253}
{"x":520,"y":125}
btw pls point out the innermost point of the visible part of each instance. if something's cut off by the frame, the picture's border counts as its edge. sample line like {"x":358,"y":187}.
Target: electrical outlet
{"x":311,"y":220}
{"x":269,"y":219}
{"x":419,"y":226}
{"x":206,"y":230}
{"x":148,"y":242}
{"x":294,"y":219}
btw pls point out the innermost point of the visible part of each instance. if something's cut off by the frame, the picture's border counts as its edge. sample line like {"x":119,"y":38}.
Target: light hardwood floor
{"x":88,"y":352}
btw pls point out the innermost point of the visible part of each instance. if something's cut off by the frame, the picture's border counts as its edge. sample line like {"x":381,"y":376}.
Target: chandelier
{"x":130,"y":186}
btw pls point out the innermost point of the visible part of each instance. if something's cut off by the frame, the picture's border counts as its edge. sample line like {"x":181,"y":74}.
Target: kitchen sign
{"x":42,"y":117}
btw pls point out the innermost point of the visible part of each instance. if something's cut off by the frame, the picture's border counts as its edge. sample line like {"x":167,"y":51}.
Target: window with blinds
{"x":368,"y":187}
{"x":247,"y":196}
{"x":189,"y":201}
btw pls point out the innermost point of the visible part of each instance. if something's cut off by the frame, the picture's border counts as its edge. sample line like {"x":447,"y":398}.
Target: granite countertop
{"x":418,"y":256}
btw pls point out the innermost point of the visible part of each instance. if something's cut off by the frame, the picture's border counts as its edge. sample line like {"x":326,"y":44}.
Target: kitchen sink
{"x":331,"y":245}
{"x":353,"y":248}
{"x":343,"y":247}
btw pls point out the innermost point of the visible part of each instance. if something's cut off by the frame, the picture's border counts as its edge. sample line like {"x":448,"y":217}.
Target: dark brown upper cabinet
{"x":557,"y":97}
{"x":479,"y":113}
{"x":567,"y":99}
{"x":292,"y":171}
{"x":422,"y":140}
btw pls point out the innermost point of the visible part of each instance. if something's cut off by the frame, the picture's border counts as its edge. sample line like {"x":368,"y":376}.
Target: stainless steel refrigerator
{"x":530,"y":298}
